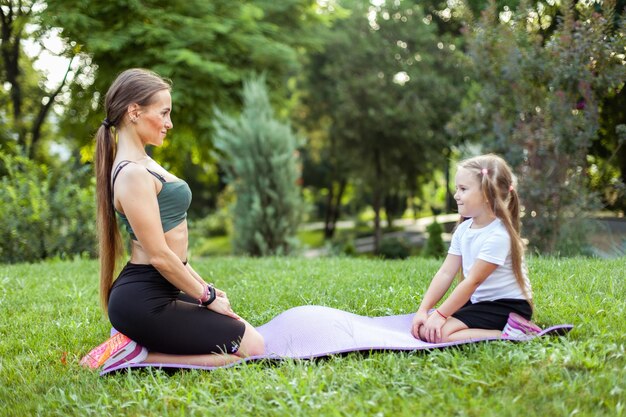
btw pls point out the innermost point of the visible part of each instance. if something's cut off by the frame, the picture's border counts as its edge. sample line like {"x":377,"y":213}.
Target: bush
{"x":434,"y":247}
{"x":213,"y":225}
{"x":537,"y":100}
{"x":45,"y":211}
{"x":394,"y":248}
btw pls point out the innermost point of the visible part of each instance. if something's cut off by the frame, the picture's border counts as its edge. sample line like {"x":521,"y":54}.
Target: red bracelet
{"x":441,"y":314}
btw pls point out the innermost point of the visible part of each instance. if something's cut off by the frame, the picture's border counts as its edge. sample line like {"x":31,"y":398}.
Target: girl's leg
{"x":472,"y":334}
{"x":455,"y":330}
{"x":451,"y":326}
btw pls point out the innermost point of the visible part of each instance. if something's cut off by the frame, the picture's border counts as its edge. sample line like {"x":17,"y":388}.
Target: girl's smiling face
{"x":470,"y":198}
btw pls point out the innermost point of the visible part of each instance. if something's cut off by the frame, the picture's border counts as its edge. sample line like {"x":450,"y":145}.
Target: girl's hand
{"x":418,"y":321}
{"x":222,"y":306}
{"x":432,"y":328}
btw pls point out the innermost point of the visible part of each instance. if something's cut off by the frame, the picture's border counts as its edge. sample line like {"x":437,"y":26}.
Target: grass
{"x":49,"y":317}
{"x":222,"y":245}
{"x":308,"y":239}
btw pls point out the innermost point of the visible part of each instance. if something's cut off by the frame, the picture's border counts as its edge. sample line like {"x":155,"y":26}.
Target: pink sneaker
{"x":517,"y":327}
{"x":101,"y":353}
{"x":131,"y":353}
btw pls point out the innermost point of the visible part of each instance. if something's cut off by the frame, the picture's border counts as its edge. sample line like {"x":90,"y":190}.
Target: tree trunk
{"x":333,"y":209}
{"x":377,"y":203}
{"x":329,"y":226}
{"x":449,"y":196}
{"x":44,"y":110}
{"x":10,"y":47}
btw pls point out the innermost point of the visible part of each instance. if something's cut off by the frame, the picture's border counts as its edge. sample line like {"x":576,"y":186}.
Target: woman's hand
{"x":418,"y":321}
{"x":220,"y":293}
{"x":222,"y":305}
{"x":432,"y":328}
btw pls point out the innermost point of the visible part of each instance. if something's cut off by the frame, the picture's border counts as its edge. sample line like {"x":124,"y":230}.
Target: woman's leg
{"x":252,"y":344}
{"x":211,"y":359}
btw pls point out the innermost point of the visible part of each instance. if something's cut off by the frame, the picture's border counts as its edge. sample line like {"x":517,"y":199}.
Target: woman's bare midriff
{"x":177,"y":240}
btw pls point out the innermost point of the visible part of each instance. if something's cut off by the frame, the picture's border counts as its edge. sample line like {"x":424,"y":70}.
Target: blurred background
{"x":321,"y":128}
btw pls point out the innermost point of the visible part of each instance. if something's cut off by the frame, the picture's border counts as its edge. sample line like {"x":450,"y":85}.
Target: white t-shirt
{"x":491,"y":243}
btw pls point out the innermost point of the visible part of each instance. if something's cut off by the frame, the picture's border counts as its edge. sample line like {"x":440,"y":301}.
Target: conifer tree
{"x":262,"y":166}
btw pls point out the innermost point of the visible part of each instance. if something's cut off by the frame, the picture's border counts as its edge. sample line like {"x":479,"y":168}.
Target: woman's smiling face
{"x":154,"y":120}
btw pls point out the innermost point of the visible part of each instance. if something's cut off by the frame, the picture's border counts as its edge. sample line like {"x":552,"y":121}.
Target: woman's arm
{"x":198,"y":278}
{"x":136,"y":191}
{"x":221,"y":303}
{"x":195,"y":274}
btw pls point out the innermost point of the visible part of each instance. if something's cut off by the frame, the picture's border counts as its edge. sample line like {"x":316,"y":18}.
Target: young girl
{"x":494,"y":299}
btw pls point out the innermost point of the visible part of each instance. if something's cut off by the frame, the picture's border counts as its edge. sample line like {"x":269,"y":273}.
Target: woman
{"x":158,"y":301}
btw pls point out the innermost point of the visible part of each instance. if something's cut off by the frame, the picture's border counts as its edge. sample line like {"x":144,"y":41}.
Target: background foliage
{"x":536,"y":99}
{"x":387,"y":94}
{"x":261,"y":164}
{"x":205,"y":47}
{"x":46,"y":211}
{"x":378,"y":96}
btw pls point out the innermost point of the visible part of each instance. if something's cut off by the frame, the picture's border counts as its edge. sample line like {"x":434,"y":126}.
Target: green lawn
{"x":49,"y":318}
{"x":222,"y":245}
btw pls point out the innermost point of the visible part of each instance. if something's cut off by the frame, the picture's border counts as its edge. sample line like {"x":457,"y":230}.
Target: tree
{"x":28,"y":101}
{"x":536,"y":100}
{"x":261,"y":163}
{"x":387,"y":84}
{"x":205,"y":47}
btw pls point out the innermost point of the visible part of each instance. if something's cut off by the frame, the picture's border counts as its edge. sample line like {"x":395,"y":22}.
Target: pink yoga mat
{"x":308,"y":332}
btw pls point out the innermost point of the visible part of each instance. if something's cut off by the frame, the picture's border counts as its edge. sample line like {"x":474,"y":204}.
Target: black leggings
{"x":492,"y":315}
{"x":146,"y":307}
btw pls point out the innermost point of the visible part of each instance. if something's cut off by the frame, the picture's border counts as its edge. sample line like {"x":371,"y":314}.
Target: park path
{"x":413,"y":232}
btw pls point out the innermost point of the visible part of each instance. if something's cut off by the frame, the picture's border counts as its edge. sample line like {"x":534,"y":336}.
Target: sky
{"x":47,"y":59}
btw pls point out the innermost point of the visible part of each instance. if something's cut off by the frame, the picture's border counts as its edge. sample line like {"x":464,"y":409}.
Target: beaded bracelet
{"x":208,"y":296}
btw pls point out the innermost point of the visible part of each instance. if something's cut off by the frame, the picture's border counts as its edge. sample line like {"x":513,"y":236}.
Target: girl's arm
{"x":459,"y":296}
{"x":436,"y":290}
{"x":462,"y":293}
{"x":441,"y":282}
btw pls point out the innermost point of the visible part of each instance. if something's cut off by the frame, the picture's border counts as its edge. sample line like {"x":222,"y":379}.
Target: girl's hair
{"x":498,"y":185}
{"x":133,"y":86}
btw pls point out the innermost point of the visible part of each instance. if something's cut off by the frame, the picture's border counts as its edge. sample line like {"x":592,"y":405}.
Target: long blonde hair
{"x":133,"y":86}
{"x":497,"y":183}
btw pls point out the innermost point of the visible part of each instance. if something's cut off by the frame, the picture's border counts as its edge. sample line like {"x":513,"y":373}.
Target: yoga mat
{"x":308,"y":332}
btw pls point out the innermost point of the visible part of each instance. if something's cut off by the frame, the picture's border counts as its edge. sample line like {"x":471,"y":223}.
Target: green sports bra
{"x":174,"y":200}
